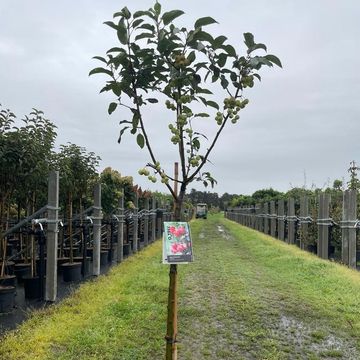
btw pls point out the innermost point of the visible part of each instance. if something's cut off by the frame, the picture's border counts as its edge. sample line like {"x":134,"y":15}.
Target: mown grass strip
{"x":121,"y":315}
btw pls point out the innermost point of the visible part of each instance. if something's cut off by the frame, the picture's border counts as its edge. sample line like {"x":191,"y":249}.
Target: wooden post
{"x":281,"y":220}
{"x":273,"y":219}
{"x":52,"y":237}
{"x":266,"y":218}
{"x":135,"y":217}
{"x":352,"y":231}
{"x":97,"y":216}
{"x":304,"y":222}
{"x":323,"y":222}
{"x":348,"y":232}
{"x":120,"y":233}
{"x":146,"y":222}
{"x":291,"y":221}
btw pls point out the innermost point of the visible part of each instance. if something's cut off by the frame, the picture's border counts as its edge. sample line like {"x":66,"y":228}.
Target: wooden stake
{"x":171,"y":348}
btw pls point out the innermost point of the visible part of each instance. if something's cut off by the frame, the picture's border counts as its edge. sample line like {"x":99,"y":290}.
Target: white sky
{"x":302,"y":123}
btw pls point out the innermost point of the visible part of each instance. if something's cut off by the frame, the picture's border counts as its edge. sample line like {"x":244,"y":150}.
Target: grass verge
{"x":246,"y":296}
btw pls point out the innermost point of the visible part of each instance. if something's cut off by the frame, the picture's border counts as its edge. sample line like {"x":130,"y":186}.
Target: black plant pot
{"x":104,"y":257}
{"x":126,"y":249}
{"x":7,"y":298}
{"x":90,"y":252}
{"x":60,"y":262}
{"x":312,"y":248}
{"x":22,"y":270}
{"x":87,"y":266}
{"x":71,"y":271}
{"x":8,"y":280}
{"x":9,"y":267}
{"x":32,"y":287}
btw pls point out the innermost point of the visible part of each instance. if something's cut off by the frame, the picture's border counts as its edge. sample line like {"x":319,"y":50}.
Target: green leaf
{"x":203,"y":36}
{"x":202,"y":115}
{"x":152,"y":100}
{"x":257,"y":46}
{"x":200,"y":90}
{"x":122,"y":32}
{"x":140,"y":140}
{"x":137,"y":23}
{"x":274,"y":59}
{"x":157,"y":8}
{"x":204,"y":21}
{"x":224,"y":82}
{"x":122,"y":133}
{"x":230,"y":50}
{"x":100,"y":70}
{"x":233,"y":76}
{"x":196,"y":143}
{"x":141,"y":13}
{"x":100,"y":58}
{"x":169,"y":16}
{"x":222,"y":59}
{"x":115,"y":49}
{"x":219,"y":41}
{"x":147,"y":27}
{"x":144,"y":35}
{"x":111,"y":24}
{"x":112,"y":107}
{"x":249,"y":40}
{"x":212,"y":104}
{"x":126,"y":13}
{"x":257,"y":76}
{"x":191,"y":57}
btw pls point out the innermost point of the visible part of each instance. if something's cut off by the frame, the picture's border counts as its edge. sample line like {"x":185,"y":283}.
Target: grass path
{"x":246,"y":296}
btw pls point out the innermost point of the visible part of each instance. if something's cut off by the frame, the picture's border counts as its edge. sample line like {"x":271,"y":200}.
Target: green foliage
{"x":26,"y":155}
{"x":78,"y":172}
{"x":113,"y":187}
{"x":153,"y":59}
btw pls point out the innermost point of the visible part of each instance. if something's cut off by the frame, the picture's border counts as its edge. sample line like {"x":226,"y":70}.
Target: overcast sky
{"x":301,"y":127}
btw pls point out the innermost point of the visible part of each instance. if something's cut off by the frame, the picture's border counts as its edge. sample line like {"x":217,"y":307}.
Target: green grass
{"x":246,"y":296}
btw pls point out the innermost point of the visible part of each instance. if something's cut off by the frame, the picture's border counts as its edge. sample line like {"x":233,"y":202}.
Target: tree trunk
{"x":171,"y":348}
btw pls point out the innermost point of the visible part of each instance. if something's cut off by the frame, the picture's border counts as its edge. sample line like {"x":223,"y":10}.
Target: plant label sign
{"x":177,"y":245}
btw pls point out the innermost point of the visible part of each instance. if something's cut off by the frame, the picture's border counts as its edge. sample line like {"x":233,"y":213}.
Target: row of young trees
{"x":27,"y":154}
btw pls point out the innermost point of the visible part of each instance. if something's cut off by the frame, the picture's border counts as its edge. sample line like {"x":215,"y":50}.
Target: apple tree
{"x":155,"y":60}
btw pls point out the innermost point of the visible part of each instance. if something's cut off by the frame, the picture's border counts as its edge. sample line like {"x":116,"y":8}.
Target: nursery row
{"x":325,"y":226}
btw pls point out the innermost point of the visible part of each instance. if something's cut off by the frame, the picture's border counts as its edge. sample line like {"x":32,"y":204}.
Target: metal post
{"x":153,"y":220}
{"x":120,"y":234}
{"x":135,"y":231}
{"x":146,"y":222}
{"x":52,"y":237}
{"x":97,"y":216}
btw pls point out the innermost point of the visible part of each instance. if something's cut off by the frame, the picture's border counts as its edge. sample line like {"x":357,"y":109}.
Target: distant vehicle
{"x":201,"y":211}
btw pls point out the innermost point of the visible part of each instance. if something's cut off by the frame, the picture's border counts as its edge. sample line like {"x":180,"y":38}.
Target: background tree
{"x":78,"y":172}
{"x":113,"y":186}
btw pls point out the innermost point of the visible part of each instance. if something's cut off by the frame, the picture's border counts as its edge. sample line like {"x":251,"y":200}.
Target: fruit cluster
{"x":170,"y":105}
{"x":146,"y":172}
{"x":181,"y":61}
{"x":175,"y":139}
{"x":233,"y":106}
{"x":195,"y":160}
{"x":247,"y":81}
